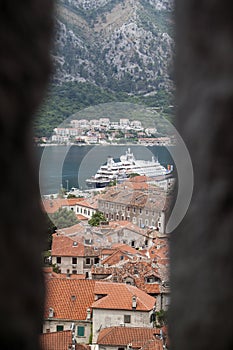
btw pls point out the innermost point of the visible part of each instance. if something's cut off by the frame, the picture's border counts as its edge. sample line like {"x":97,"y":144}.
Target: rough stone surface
{"x":201,"y":248}
{"x":25,"y":35}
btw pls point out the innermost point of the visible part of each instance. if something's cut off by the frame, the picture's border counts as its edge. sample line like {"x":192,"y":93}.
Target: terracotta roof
{"x":66,"y":246}
{"x":81,"y":217}
{"x":107,"y":251}
{"x":139,"y":178}
{"x":115,"y":258}
{"x":152,"y":288}
{"x":69,"y":298}
{"x":154,"y":198}
{"x":82,"y":347}
{"x":122,"y":336}
{"x":78,"y":228}
{"x":124,"y":224}
{"x":74,"y":276}
{"x":155,"y":344}
{"x":56,"y":340}
{"x":88,"y":204}
{"x":50,"y":206}
{"x":126,"y":248}
{"x":111,"y":299}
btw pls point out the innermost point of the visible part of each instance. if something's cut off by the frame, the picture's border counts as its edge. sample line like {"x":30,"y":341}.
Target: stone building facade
{"x":142,"y":208}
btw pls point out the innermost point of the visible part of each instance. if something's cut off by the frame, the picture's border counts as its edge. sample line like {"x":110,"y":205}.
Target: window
{"x":127,"y":319}
{"x":60,"y":328}
{"x":74,"y":272}
{"x":146,"y":212}
{"x":80,"y":331}
{"x":132,"y":243}
{"x":74,"y":261}
{"x":78,"y":210}
{"x":134,"y":210}
{"x":96,"y":260}
{"x":88,"y":261}
{"x":140,"y":210}
{"x":58,"y":259}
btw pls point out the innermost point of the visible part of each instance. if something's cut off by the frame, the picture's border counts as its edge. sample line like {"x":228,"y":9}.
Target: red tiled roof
{"x":139,"y":178}
{"x":115,"y":258}
{"x":81,"y":217}
{"x":88,"y":204}
{"x":111,"y":300}
{"x":77,"y":228}
{"x":56,"y":340}
{"x":74,"y":276}
{"x":153,"y":288}
{"x":50,"y":206}
{"x":69,"y":298}
{"x":122,"y":336}
{"x":66,"y":246}
{"x":82,"y":347}
{"x":155,"y":344}
{"x":126,"y":248}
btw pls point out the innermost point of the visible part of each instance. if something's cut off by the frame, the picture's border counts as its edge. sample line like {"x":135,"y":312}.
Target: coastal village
{"x":103,"y":131}
{"x":107,"y":276}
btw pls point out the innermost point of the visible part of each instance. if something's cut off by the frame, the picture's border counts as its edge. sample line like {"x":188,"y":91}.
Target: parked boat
{"x":121,"y":168}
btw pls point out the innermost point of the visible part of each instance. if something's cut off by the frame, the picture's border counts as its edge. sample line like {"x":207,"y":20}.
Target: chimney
{"x":88,"y":314}
{"x":51,"y":312}
{"x":134,"y":302}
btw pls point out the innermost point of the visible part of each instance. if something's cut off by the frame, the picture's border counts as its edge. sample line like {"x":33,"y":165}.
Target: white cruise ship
{"x":120,"y":169}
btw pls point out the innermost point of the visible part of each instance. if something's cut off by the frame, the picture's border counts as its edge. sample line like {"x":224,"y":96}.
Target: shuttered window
{"x":81,"y":331}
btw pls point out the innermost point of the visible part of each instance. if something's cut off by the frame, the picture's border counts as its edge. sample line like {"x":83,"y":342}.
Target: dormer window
{"x":152,"y":279}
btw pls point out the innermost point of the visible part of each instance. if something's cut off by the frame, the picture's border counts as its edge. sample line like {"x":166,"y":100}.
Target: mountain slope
{"x":122,"y":45}
{"x":109,"y":50}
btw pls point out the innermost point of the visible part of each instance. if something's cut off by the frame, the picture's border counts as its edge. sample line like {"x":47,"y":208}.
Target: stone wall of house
{"x":51,"y":326}
{"x":103,"y":318}
{"x":66,"y":264}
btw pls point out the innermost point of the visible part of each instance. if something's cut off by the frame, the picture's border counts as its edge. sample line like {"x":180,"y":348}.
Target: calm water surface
{"x":70,"y":166}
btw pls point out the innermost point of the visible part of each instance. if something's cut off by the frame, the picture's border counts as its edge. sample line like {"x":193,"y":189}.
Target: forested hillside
{"x":109,"y":50}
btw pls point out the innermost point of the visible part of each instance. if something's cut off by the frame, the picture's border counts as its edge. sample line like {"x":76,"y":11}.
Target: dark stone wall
{"x":25,"y":37}
{"x":202,"y":246}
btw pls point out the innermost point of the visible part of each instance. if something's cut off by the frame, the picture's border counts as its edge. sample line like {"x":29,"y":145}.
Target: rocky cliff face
{"x":123,"y":45}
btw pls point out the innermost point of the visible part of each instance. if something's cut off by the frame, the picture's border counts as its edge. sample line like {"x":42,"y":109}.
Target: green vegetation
{"x":71,"y":97}
{"x":161,"y":20}
{"x":162,"y":318}
{"x":64,"y":218}
{"x":96,"y":219}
